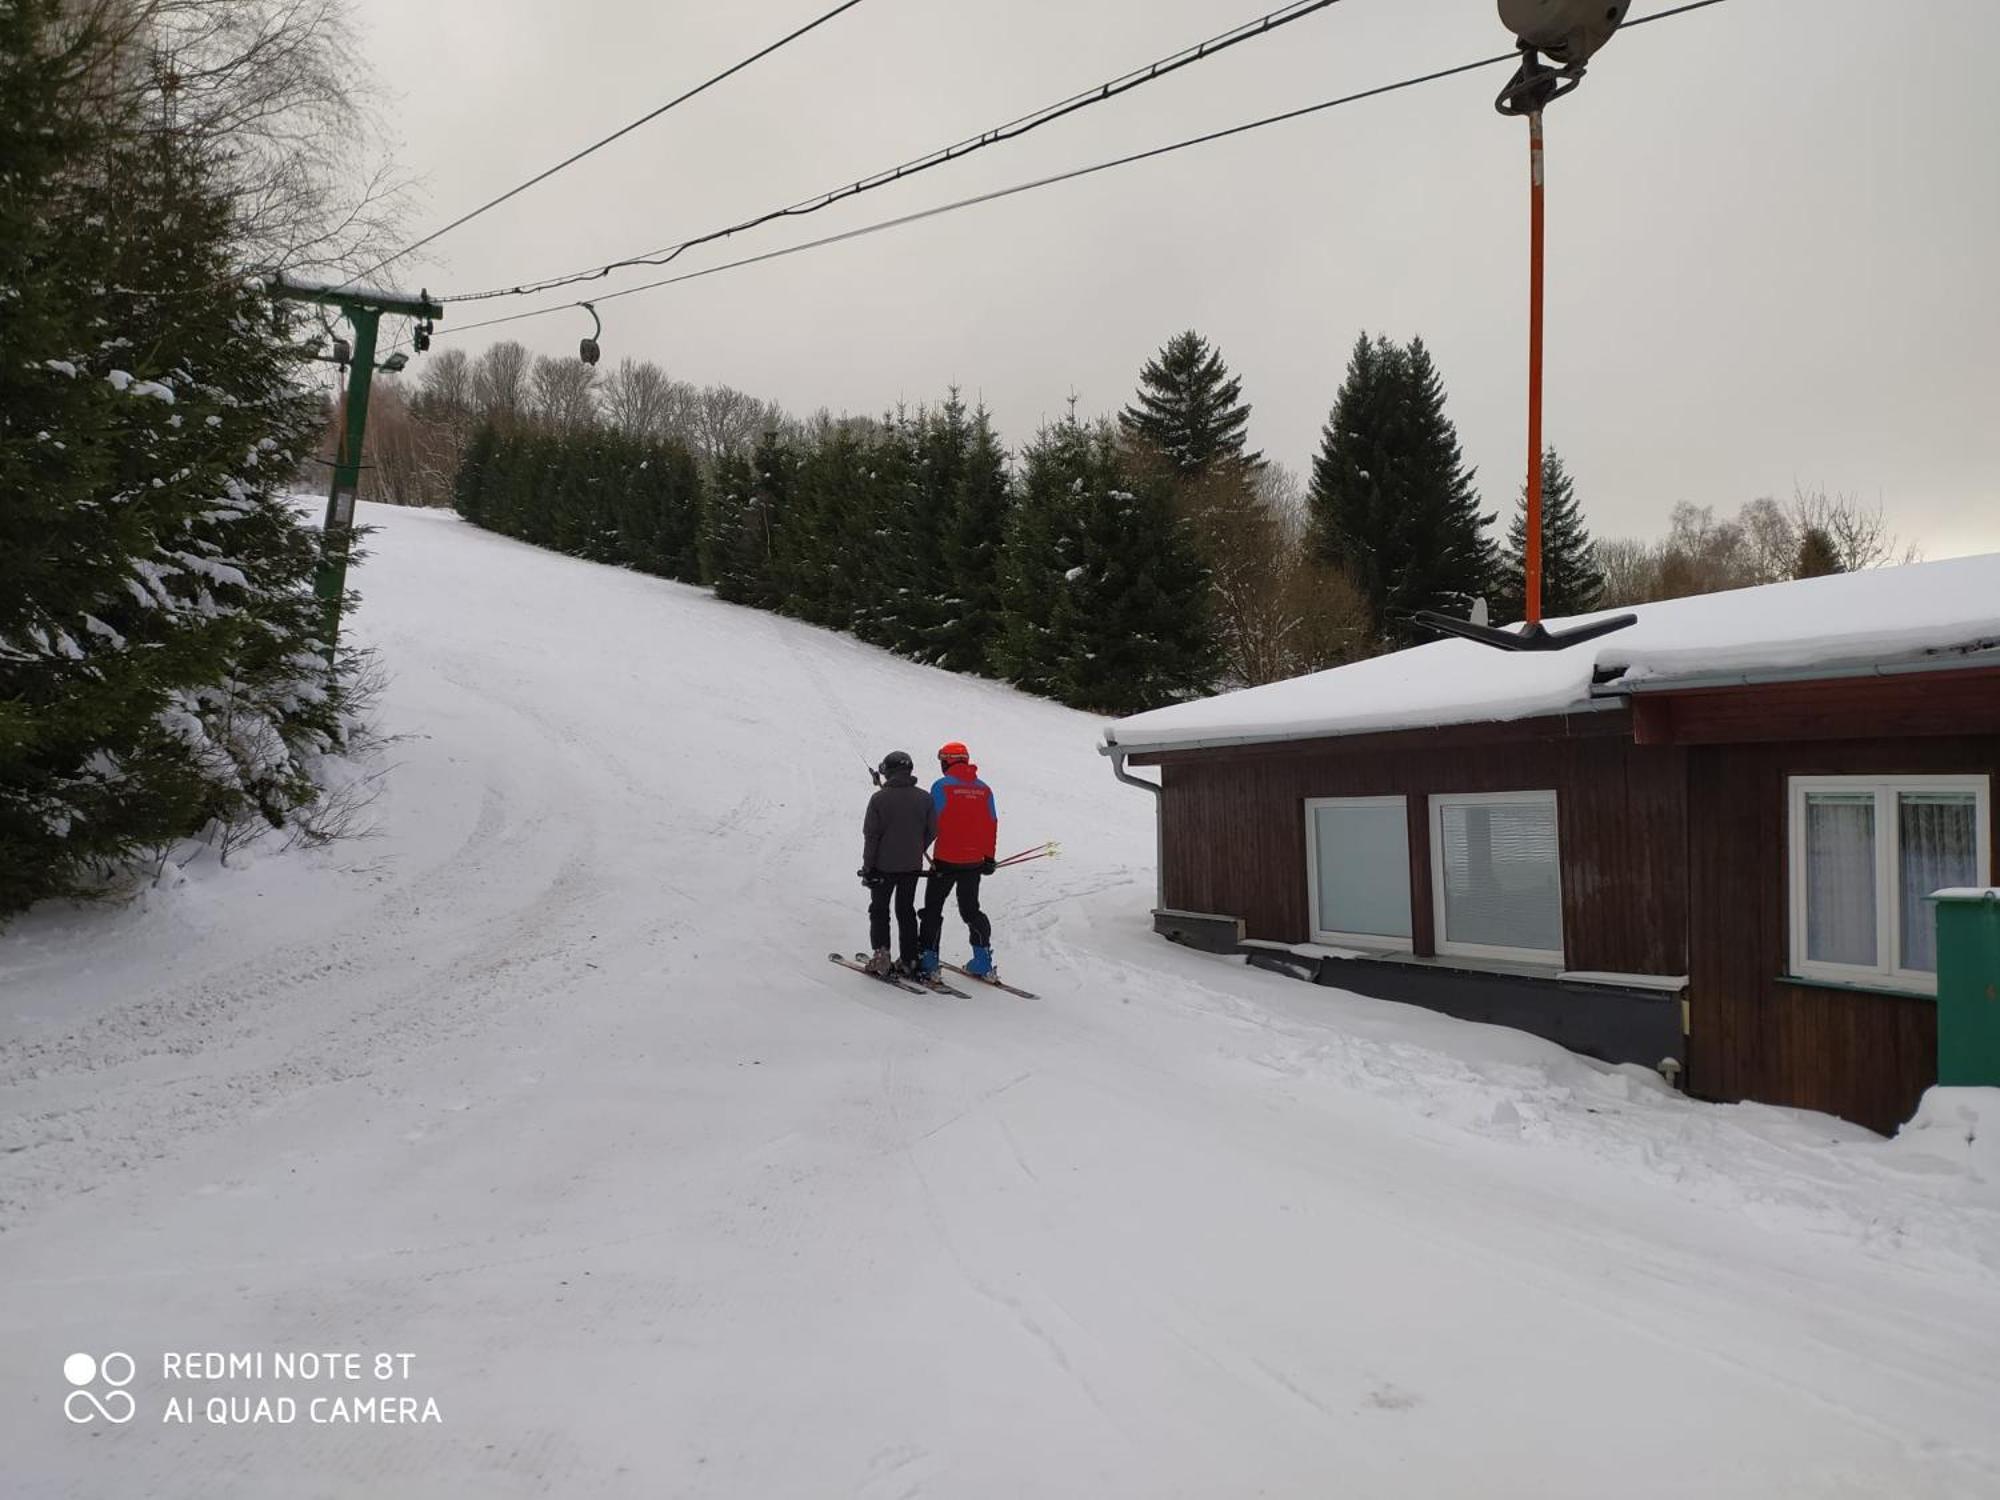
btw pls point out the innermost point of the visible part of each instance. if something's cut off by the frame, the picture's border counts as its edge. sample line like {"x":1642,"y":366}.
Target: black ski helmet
{"x":896,"y":762}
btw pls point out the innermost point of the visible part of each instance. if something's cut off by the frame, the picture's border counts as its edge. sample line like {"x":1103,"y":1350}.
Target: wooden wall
{"x":1235,"y":826}
{"x":1863,"y":1056}
{"x":1674,"y":861}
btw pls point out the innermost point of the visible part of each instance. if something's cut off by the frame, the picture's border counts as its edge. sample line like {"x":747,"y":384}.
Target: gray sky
{"x":1773,"y":224}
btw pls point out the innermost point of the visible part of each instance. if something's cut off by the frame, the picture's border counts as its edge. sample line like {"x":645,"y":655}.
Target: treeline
{"x":417,"y":438}
{"x":1767,"y":541}
{"x":161,"y":671}
{"x":1116,"y":565}
{"x":1070,"y":575}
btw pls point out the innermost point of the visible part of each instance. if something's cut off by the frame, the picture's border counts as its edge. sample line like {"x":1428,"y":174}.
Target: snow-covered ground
{"x":549,"y":1085}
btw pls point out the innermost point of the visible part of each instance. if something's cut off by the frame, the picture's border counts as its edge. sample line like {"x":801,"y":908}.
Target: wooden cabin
{"x":1705,"y":842}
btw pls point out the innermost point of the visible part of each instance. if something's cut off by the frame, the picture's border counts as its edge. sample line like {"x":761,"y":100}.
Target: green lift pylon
{"x":363,"y":307}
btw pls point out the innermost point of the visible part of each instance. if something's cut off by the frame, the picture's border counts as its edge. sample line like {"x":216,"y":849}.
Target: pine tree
{"x":1572,"y":582}
{"x":1392,"y":502}
{"x":1190,"y":408}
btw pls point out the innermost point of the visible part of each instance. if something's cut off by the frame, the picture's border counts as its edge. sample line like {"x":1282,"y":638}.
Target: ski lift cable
{"x":573,"y":159}
{"x":979,"y":198}
{"x":1041,"y":182}
{"x":1011,"y":130}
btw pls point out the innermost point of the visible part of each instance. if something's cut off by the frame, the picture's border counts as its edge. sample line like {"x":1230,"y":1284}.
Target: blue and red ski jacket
{"x":968,"y":823}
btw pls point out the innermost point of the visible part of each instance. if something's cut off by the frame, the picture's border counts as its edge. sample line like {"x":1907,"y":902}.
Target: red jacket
{"x":968,"y":823}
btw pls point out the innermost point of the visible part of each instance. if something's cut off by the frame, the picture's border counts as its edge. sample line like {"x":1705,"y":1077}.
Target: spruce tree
{"x":1107,"y":600}
{"x":1818,"y":555}
{"x":1572,"y":582}
{"x":1190,"y":408}
{"x":968,"y":635}
{"x":469,"y":488}
{"x":941,"y":448}
{"x":161,"y":665}
{"x":749,"y":513}
{"x":1392,"y":502}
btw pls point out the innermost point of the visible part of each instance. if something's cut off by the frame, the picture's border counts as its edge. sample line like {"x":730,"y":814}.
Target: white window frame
{"x":1439,"y":801}
{"x":1886,"y":972}
{"x":1384,"y":941}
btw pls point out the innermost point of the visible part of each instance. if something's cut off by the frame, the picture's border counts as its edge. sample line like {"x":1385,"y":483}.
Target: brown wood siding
{"x":1955,"y":703}
{"x":1235,"y":827}
{"x":1866,"y":1057}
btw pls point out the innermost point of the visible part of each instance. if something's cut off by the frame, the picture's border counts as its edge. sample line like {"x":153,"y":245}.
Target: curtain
{"x":1937,"y":848}
{"x":1840,"y":878}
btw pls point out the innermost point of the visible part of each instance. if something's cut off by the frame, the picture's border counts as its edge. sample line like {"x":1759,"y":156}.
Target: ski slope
{"x":548,"y":1084}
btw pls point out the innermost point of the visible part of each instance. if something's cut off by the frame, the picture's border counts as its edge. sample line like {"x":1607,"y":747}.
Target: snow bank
{"x":1891,"y":615}
{"x":1960,"y":1126}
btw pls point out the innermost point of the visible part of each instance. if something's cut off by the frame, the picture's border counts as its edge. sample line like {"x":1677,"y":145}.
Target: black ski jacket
{"x":899,"y":827}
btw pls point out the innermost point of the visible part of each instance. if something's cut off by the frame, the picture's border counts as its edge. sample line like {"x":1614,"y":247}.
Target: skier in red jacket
{"x":968,"y":833}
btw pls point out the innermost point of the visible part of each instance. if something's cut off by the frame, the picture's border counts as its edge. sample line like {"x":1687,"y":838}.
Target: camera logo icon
{"x":85,"y":1373}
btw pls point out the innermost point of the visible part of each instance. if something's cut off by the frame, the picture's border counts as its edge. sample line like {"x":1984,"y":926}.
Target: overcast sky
{"x":1774,"y":224}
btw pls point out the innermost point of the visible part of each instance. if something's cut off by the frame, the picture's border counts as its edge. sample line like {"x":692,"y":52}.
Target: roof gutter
{"x":1159,"y":821}
{"x":1981,"y":654}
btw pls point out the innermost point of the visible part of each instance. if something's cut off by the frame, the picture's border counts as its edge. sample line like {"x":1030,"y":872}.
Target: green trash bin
{"x":1968,"y":933}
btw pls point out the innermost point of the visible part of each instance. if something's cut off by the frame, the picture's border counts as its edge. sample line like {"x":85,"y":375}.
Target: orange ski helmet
{"x":952,"y":753}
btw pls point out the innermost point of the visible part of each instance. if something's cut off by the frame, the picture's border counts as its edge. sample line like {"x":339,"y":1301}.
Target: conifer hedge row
{"x":1072,"y":577}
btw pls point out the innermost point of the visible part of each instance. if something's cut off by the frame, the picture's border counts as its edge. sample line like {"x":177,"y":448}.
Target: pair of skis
{"x":859,"y":965}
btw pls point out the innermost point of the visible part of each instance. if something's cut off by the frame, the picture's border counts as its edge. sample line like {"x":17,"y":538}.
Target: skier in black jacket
{"x":900,"y":824}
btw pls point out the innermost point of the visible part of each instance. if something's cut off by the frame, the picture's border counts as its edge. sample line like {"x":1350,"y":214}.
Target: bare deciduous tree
{"x":1277,"y":612}
{"x":642,"y":400}
{"x":728,"y":421}
{"x":446,"y":388}
{"x":564,"y":394}
{"x":1284,"y":495}
{"x":276,"y":87}
{"x":500,"y":383}
{"x":1860,"y":536}
{"x":1767,"y":542}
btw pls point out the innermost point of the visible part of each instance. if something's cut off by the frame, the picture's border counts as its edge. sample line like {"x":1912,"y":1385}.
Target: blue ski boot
{"x":981,"y":966}
{"x":927,"y":964}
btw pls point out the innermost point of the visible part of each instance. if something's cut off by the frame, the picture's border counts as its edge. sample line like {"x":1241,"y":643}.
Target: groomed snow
{"x":1889,"y":615}
{"x":550,"y":1085}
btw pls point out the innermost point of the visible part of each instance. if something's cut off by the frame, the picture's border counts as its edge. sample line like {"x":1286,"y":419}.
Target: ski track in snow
{"x":549,"y":1083}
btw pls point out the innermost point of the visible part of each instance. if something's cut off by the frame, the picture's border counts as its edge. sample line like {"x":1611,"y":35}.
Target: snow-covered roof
{"x":1886,"y":617}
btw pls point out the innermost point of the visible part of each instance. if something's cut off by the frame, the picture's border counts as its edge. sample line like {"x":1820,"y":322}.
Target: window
{"x":1496,"y":880}
{"x":1358,"y":870}
{"x":1865,"y":855}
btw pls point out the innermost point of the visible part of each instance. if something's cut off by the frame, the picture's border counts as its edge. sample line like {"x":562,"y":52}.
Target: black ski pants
{"x":904,"y":889}
{"x":944,"y":879}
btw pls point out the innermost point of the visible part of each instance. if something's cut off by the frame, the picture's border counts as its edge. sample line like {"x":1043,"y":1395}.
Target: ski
{"x":928,"y":986}
{"x":992,"y":983}
{"x":859,"y":965}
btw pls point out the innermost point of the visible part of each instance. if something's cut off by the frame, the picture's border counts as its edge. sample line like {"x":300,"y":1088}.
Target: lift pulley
{"x":1568,"y":32}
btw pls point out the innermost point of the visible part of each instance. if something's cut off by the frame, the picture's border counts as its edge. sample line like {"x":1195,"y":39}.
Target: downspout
{"x":1159,"y":820}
